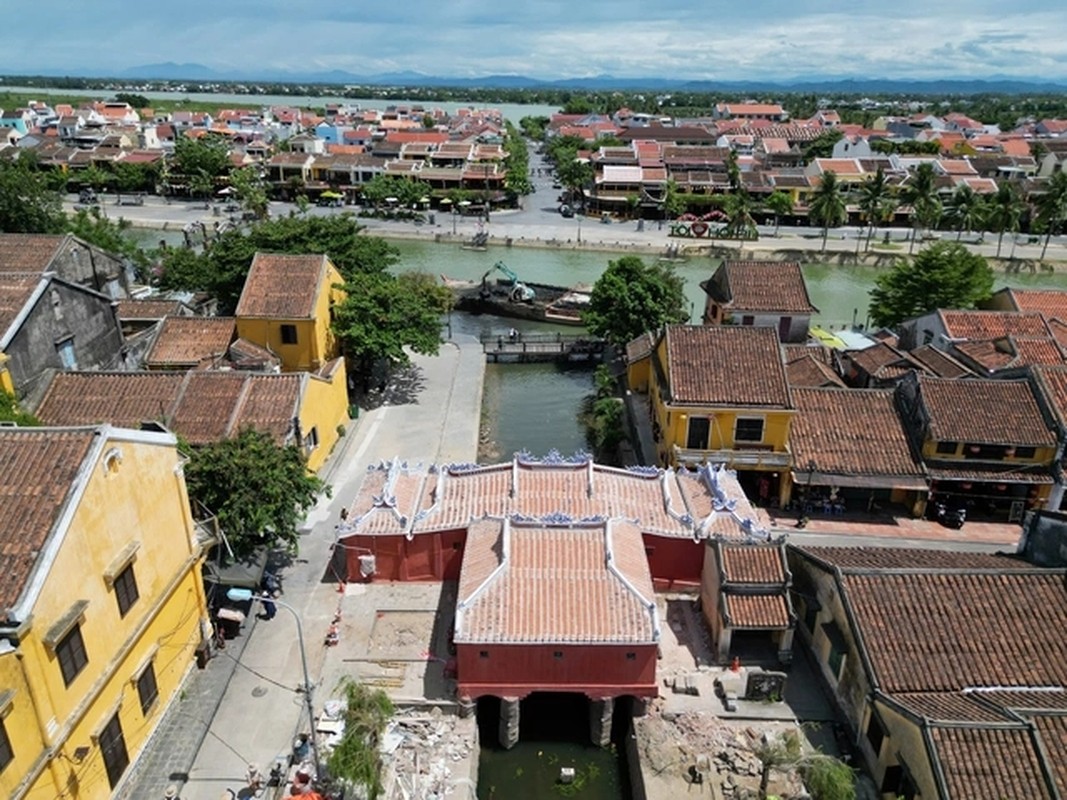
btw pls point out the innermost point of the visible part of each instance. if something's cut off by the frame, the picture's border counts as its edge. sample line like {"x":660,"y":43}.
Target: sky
{"x":548,"y":39}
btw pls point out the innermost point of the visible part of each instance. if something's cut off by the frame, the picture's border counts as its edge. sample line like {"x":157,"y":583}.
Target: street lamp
{"x":578,"y":216}
{"x":246,"y":595}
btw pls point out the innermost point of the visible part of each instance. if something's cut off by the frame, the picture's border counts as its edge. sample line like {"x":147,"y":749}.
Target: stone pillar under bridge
{"x":509,"y":722}
{"x":601,"y":712}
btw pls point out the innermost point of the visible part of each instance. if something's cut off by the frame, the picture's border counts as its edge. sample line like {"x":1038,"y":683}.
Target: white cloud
{"x":762,"y":39}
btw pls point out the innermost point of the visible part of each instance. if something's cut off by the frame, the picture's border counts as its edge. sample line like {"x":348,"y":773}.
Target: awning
{"x":915,"y":483}
{"x":983,"y":476}
{"x":246,"y":573}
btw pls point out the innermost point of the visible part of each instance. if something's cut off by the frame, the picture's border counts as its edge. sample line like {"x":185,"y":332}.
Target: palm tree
{"x":1052,"y":206}
{"x":966,"y":209}
{"x":739,"y":222}
{"x":780,"y":204}
{"x":875,"y":202}
{"x":828,"y":204}
{"x":920,"y":192}
{"x":1005,"y":210}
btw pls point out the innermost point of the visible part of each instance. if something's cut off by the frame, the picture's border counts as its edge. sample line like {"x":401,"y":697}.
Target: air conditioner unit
{"x":367,"y":566}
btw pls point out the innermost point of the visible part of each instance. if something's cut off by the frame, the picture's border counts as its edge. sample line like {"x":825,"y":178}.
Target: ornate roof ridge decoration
{"x":465,"y":468}
{"x":751,"y":527}
{"x":649,"y":604}
{"x":553,"y":458}
{"x":558,"y":519}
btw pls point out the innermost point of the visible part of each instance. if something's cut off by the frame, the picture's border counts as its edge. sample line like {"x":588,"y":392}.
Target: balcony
{"x":749,"y":458}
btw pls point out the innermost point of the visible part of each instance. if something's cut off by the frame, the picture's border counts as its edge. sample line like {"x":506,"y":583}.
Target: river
{"x":511,"y":111}
{"x":534,"y":406}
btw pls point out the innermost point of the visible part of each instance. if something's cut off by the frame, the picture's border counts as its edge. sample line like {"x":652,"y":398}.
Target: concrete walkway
{"x":246,"y":706}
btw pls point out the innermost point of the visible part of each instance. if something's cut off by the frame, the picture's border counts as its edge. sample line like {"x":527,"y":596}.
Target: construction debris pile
{"x":699,"y":747}
{"x":427,"y":754}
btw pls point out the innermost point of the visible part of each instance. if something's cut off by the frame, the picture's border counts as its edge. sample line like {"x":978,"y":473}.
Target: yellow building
{"x":719,"y":395}
{"x":286,"y":307}
{"x":948,"y":668}
{"x":986,"y":444}
{"x":104,"y":606}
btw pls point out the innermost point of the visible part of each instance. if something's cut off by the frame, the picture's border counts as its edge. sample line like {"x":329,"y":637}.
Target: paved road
{"x":538,"y":222}
{"x":246,"y":707}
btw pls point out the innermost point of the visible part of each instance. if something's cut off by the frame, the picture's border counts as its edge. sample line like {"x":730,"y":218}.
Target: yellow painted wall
{"x":637,"y":374}
{"x":904,"y":743}
{"x":140,"y":498}
{"x":324,"y":407}
{"x":673,"y":421}
{"x":7,"y":383}
{"x":315,"y":341}
{"x":21,"y":725}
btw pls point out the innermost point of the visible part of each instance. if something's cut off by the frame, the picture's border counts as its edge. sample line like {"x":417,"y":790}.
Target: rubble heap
{"x":421,"y":748}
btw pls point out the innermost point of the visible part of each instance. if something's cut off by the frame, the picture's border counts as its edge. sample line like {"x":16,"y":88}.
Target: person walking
{"x":270,"y":608}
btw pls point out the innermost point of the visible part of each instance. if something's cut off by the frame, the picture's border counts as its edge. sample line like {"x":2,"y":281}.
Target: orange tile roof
{"x":1049,"y":302}
{"x":760,"y":287}
{"x":886,"y":558}
{"x":810,"y":371}
{"x":38,"y":468}
{"x":187,"y":341}
{"x":28,"y":252}
{"x":939,"y":363}
{"x":565,"y":585}
{"x":976,"y":762}
{"x":16,"y":290}
{"x":983,"y":411}
{"x":201,"y":406}
{"x":992,"y":324}
{"x":725,"y":366}
{"x":753,"y":564}
{"x":988,"y":626}
{"x":399,"y":499}
{"x":146,"y":309}
{"x":282,"y":286}
{"x":852,"y":432}
{"x":756,"y":610}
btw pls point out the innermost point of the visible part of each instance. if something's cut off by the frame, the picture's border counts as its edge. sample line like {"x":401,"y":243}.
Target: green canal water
{"x":554,"y":734}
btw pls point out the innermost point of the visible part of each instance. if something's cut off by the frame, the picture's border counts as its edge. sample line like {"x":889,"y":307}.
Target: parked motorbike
{"x":950,"y":516}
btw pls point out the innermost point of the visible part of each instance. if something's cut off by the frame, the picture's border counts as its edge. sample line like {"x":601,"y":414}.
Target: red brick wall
{"x":428,"y":557}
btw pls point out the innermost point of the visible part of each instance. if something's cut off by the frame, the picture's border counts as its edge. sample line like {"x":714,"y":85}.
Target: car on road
{"x":566,"y":211}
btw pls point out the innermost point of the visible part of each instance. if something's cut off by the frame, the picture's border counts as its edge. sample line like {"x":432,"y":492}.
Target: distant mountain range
{"x":997,"y":84}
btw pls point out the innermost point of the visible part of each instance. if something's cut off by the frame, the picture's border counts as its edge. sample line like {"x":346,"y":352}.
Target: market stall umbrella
{"x":331,"y":195}
{"x":226,"y":192}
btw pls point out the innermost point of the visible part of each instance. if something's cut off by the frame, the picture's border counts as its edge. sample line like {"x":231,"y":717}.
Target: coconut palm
{"x":739,"y":221}
{"x":920,"y":192}
{"x":966,"y":210}
{"x":1005,"y":211}
{"x":875,"y":201}
{"x":1052,"y":206}
{"x":827,"y":206}
{"x":780,"y":204}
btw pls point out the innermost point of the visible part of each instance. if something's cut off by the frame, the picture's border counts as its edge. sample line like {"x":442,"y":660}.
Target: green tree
{"x":113,"y":237}
{"x":207,"y":155}
{"x":822,"y":146}
{"x":94,"y":177}
{"x":10,"y":412}
{"x":133,"y":177}
{"x":875,"y":201}
{"x":602,"y":416}
{"x":356,"y":760}
{"x":780,"y":204}
{"x":965,"y":210}
{"x":826,"y":777}
{"x":739,"y":221}
{"x":1052,"y":206}
{"x":633,"y":297}
{"x":944,"y":275}
{"x":223,"y":269}
{"x":1005,"y":211}
{"x":383,"y":316}
{"x":250,"y":191}
{"x":405,"y":191}
{"x":920,"y":192}
{"x":258,"y":490}
{"x":27,"y":204}
{"x":827,"y":206}
{"x":137,"y":101}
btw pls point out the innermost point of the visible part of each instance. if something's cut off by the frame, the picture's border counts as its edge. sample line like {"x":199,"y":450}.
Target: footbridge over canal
{"x":518,"y":347}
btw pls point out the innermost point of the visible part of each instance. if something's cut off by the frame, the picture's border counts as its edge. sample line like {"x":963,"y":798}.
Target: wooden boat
{"x":503,"y":297}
